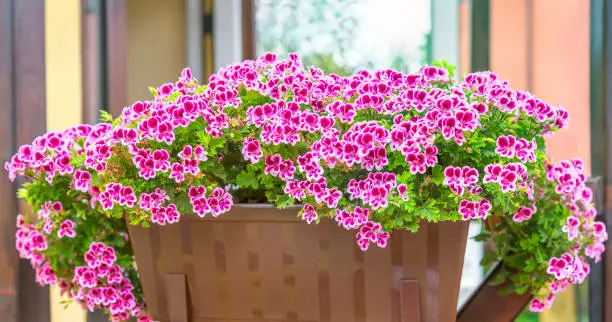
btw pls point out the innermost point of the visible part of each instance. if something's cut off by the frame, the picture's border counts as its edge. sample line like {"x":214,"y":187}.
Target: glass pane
{"x":473,"y":273}
{"x":342,"y":36}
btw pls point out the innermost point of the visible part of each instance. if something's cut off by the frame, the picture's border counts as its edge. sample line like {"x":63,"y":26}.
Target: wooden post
{"x":176,"y":289}
{"x":9,"y":263}
{"x":249,"y":34}
{"x":410,"y":301}
{"x":24,"y":108}
{"x":90,"y":14}
{"x":116,"y":55}
{"x":600,"y":281}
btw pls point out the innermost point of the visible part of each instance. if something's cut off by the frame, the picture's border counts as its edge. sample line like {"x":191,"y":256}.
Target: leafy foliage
{"x":377,"y":152}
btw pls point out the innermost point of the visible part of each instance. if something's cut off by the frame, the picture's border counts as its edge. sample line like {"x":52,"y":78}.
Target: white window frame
{"x":227,"y":32}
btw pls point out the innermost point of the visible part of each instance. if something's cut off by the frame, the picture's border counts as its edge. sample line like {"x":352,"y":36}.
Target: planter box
{"x":487,"y":303}
{"x":259,"y":263}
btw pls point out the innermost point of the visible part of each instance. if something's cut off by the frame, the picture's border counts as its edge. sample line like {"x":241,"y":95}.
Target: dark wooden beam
{"x":9,"y":262}
{"x":607,"y":81}
{"x":597,"y":89}
{"x":208,"y":59}
{"x":90,"y":14}
{"x":594,"y":285}
{"x":249,"y":39}
{"x":116,"y":55}
{"x":600,"y":280}
{"x":480,"y":30}
{"x":30,"y":119}
{"x":29,"y":50}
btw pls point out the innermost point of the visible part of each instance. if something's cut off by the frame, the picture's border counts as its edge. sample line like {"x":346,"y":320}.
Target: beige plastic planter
{"x":259,"y":263}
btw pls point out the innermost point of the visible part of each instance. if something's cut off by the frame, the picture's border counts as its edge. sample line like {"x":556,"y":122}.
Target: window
{"x":342,"y":36}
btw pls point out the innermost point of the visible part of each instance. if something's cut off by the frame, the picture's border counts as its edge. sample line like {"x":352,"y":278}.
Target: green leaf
{"x":246,"y":180}
{"x":95,"y":179}
{"x":530,"y":265}
{"x":22,"y":193}
{"x":438,"y":175}
{"x":428,"y":211}
{"x":66,"y":303}
{"x":203,"y":138}
{"x":488,"y":257}
{"x":116,"y":122}
{"x":153,"y":91}
{"x":507,"y":290}
{"x":77,"y":159}
{"x":539,"y":256}
{"x":412,"y":226}
{"x":521,"y":289}
{"x":442,"y":63}
{"x":215,"y":144}
{"x":396,"y":161}
{"x":408,"y":207}
{"x":200,"y":89}
{"x":174,"y":96}
{"x":105,"y":116}
{"x":485,"y":235}
{"x":284,"y":201}
{"x":405,"y":177}
{"x":215,"y":169}
{"x":501,"y":239}
{"x":497,"y":279}
{"x":515,"y":260}
{"x":254,"y":98}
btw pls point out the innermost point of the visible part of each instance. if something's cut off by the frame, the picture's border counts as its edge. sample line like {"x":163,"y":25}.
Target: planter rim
{"x":263,"y":206}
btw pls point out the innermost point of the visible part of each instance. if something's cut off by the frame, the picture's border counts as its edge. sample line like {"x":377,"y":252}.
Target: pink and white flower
{"x":66,"y":229}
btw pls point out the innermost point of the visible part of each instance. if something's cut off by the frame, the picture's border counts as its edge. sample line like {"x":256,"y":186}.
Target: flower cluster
{"x":582,"y":231}
{"x":101,"y":284}
{"x":371,"y":232}
{"x":474,"y":210}
{"x":373,"y":191}
{"x":507,"y":176}
{"x":457,"y":178}
{"x":376,"y":151}
{"x":508,"y":146}
{"x":277,"y":167}
{"x":30,"y":243}
{"x":218,"y":202}
{"x":70,"y":190}
{"x":149,"y":201}
{"x":116,"y":193}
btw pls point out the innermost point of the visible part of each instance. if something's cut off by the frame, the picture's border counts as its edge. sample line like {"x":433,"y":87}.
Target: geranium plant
{"x":375,"y":151}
